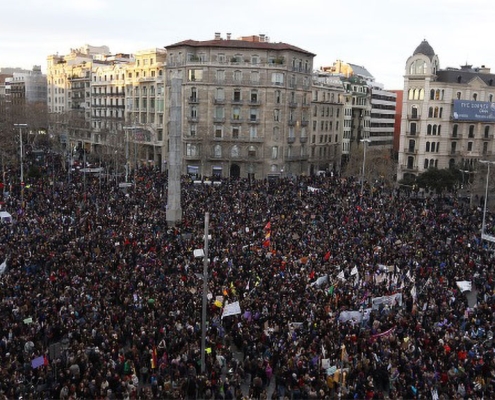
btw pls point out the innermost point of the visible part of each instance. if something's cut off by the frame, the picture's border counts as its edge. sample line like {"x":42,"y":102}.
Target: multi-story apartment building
{"x":106,"y":103}
{"x":448,"y":115}
{"x":246,"y":106}
{"x":144,"y":105}
{"x":382,"y":119}
{"x":327,"y":117}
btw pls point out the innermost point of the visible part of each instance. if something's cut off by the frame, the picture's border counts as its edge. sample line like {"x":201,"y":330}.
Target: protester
{"x":338,"y":294}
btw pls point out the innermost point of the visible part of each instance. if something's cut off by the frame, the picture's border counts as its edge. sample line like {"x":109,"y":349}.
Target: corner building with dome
{"x":448,"y":115}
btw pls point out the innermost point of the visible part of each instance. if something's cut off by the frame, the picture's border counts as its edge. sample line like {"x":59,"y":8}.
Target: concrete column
{"x":174,"y":210}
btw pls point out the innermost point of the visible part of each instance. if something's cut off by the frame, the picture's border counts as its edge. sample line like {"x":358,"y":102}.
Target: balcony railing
{"x":414,"y":117}
{"x":253,"y":120}
{"x":234,"y":120}
{"x":410,"y":150}
{"x":303,"y":139}
{"x":292,"y":104}
{"x":291,"y":139}
{"x":219,"y":101}
{"x":193,"y":100}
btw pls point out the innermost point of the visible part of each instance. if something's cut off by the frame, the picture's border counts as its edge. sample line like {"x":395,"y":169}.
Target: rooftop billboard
{"x":467,"y":110}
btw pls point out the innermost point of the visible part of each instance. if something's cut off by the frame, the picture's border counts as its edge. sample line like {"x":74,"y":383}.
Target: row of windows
{"x":325,"y":125}
{"x":325,"y":111}
{"x":438,"y":94}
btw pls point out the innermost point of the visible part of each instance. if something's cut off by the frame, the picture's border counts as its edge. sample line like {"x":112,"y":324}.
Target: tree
{"x":439,"y":180}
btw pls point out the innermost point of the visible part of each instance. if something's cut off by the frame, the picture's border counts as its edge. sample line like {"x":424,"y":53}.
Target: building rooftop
{"x":239,"y":44}
{"x":425,"y":49}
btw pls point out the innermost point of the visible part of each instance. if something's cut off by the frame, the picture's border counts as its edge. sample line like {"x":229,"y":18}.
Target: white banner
{"x":231,"y":309}
{"x":386,"y":300}
{"x":465,"y":286}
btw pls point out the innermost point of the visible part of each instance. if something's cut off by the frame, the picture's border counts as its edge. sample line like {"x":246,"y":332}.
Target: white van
{"x":5,"y":217}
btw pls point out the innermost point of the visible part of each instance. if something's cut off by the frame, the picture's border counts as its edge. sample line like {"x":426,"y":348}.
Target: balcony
{"x":192,"y":119}
{"x":237,"y":120}
{"x":291,"y":139}
{"x":455,"y":152}
{"x":303,"y":139}
{"x":193,"y":100}
{"x":300,"y":157}
{"x":218,"y":101}
{"x":413,"y":134}
{"x":254,"y":120}
{"x":305,"y":105}
{"x":409,"y":168}
{"x":414,"y":117}
{"x":218,"y":120}
{"x":456,"y":137}
{"x":237,"y":101}
{"x":292,"y":122}
{"x":293,"y":104}
{"x":304,"y":123}
{"x":410,"y":150}
{"x":254,"y":102}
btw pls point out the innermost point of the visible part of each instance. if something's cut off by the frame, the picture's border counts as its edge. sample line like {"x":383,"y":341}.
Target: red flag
{"x":268,"y":226}
{"x":312,"y":274}
{"x":327,"y":256}
{"x":154,"y":361}
{"x":45,"y":360}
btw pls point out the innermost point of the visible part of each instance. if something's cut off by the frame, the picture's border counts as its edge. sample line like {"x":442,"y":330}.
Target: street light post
{"x":20,"y":126}
{"x":365,"y":144}
{"x":483,"y":224}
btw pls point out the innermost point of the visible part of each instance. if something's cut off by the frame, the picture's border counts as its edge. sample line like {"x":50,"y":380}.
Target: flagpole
{"x":205,"y":289}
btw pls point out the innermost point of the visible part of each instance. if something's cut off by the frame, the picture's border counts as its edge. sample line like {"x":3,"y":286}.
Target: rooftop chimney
{"x":262,"y":37}
{"x":228,"y":36}
{"x":218,"y":36}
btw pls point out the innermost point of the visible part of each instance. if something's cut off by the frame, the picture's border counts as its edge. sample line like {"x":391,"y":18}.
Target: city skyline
{"x":379,"y":36}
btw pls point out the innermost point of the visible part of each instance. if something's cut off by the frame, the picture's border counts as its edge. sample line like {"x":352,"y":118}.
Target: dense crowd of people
{"x":341,"y":293}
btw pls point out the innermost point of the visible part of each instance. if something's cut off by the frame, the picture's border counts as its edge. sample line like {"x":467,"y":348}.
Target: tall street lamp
{"x":20,"y":126}
{"x":489,"y":238}
{"x":365,"y":145}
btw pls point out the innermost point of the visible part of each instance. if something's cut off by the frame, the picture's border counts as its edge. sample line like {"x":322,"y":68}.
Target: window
{"x":194,"y":111}
{"x":255,"y":60}
{"x":455,"y":129}
{"x":458,"y":95}
{"x":236,"y":113}
{"x":254,"y":96}
{"x":475,"y":96}
{"x":218,"y":131}
{"x":220,"y":75}
{"x":485,"y":148}
{"x":253,"y":132}
{"x":219,"y":113}
{"x":251,"y":151}
{"x":195,"y":75}
{"x":255,"y":77}
{"x":220,"y":95}
{"x":191,"y":150}
{"x":237,"y":95}
{"x":430,"y":112}
{"x":413,"y":128}
{"x":471,"y":131}
{"x":236,"y":132}
{"x":487,"y":131}
{"x":427,"y":147}
{"x":194,"y":94}
{"x":278,"y":96}
{"x":234,"y":151}
{"x":253,"y":114}
{"x":470,"y":146}
{"x":276,"y":115}
{"x":276,"y":133}
{"x":426,"y":163}
{"x":277,"y":78}
{"x":237,"y":76}
{"x":274,"y":152}
{"x":217,"y":151}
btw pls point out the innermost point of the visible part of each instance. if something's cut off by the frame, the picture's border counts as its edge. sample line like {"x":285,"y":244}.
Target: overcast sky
{"x":377,"y":34}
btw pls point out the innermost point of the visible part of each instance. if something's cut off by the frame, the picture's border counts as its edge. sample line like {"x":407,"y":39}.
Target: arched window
{"x":475,"y":96}
{"x":440,"y":113}
{"x":421,"y":94}
{"x":490,"y":98}
{"x":414,"y":112}
{"x":432,"y":94}
{"x":252,"y":151}
{"x":416,"y":94}
{"x":437,"y":94}
{"x":426,"y":164}
{"x":413,"y":128}
{"x":428,"y":129}
{"x":458,"y":95}
{"x":427,"y":147}
{"x":471,"y":131}
{"x":410,"y":94}
{"x":217,"y":151}
{"x":455,"y":129}
{"x":439,"y":130}
{"x":234,"y":151}
{"x":435,"y":114}
{"x":434,"y":129}
{"x":430,"y":112}
{"x":487,"y":131}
